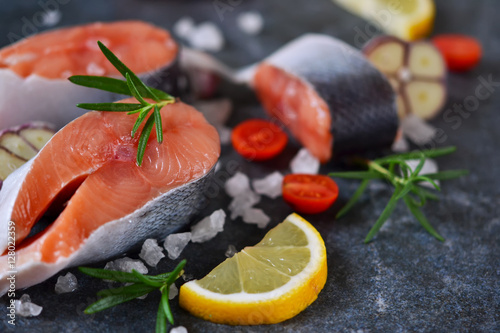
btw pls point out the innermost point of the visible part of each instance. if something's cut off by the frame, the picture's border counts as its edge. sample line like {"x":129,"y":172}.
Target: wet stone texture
{"x":404,"y":281}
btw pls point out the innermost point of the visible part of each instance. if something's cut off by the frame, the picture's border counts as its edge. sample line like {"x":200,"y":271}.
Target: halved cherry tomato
{"x":460,"y":52}
{"x":258,"y":139}
{"x":309,"y":194}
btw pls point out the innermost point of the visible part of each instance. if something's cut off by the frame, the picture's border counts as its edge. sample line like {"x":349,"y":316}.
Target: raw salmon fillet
{"x":91,"y":163}
{"x":329,"y":97}
{"x":70,"y":51}
{"x":34,"y":71}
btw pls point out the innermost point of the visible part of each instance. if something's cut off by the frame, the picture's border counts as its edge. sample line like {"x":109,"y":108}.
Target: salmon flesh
{"x":103,"y":203}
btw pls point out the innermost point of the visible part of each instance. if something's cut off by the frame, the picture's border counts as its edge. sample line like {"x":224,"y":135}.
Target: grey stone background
{"x":404,"y":281}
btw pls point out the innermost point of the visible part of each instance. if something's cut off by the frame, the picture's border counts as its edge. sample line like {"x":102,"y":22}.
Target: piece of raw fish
{"x":34,"y":71}
{"x":106,"y":204}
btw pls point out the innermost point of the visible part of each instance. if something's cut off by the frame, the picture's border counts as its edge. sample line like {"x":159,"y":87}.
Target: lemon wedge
{"x":406,"y":19}
{"x":263,"y":284}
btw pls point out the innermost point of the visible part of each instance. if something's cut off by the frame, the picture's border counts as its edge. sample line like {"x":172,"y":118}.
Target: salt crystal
{"x":243,"y":202}
{"x":237,"y":184}
{"x":256,"y":216}
{"x":151,"y":253}
{"x":224,"y":134}
{"x":206,"y":36}
{"x":127,"y":265}
{"x":207,"y":228}
{"x":401,"y":145}
{"x":250,"y":22}
{"x":417,"y":130}
{"x":216,"y":111}
{"x":187,"y":277}
{"x":304,"y":162}
{"x":51,"y":17}
{"x":66,"y":283}
{"x":430,"y":166}
{"x":173,"y":291}
{"x":231,"y":251}
{"x":179,"y":329}
{"x":25,"y":308}
{"x":175,"y":243}
{"x":184,"y":27}
{"x":270,"y":185}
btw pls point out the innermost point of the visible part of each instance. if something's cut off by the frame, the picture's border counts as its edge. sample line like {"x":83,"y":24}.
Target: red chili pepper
{"x":309,"y":194}
{"x":258,"y":139}
{"x":460,"y":52}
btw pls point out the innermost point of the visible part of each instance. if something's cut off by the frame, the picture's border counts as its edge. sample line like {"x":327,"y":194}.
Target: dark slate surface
{"x":404,"y":280}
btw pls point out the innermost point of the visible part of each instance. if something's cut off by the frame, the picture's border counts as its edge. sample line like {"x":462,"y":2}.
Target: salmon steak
{"x":104,"y":203}
{"x":39,"y":66}
{"x":328,"y":95}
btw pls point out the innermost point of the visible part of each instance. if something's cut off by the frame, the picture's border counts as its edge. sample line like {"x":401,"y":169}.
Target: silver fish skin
{"x":361,"y":100}
{"x":156,"y":219}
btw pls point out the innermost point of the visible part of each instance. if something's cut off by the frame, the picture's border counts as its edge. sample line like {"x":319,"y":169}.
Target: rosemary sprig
{"x":407,"y":184}
{"x":141,"y":285}
{"x":132,"y":86}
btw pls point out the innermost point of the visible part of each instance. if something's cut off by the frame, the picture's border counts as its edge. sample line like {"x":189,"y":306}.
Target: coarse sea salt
{"x":66,"y":283}
{"x":304,"y":162}
{"x":206,"y":36}
{"x":243,"y":202}
{"x":175,"y":244}
{"x":250,"y":23}
{"x":231,"y":251}
{"x":173,"y":291}
{"x":184,"y":27}
{"x":256,"y":216}
{"x":237,"y":184}
{"x":270,"y":185}
{"x":127,"y":265}
{"x":430,"y":166}
{"x":25,"y":308}
{"x":151,"y":253}
{"x":207,"y":228}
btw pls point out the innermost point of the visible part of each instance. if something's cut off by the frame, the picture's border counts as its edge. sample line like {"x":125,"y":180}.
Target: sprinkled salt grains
{"x":25,"y":308}
{"x":224,"y":134}
{"x":270,"y":186}
{"x":209,"y":227}
{"x":304,"y":162}
{"x":175,"y":243}
{"x":243,"y":202}
{"x":151,"y":253}
{"x":250,"y":23}
{"x":401,"y":145}
{"x":206,"y":36}
{"x":430,"y":166}
{"x":173,"y":291}
{"x":127,"y":265}
{"x":256,"y":216}
{"x":66,"y":283}
{"x":51,"y":17}
{"x":237,"y":184}
{"x":179,"y":329}
{"x":184,"y":27}
{"x":231,"y":251}
{"x":417,"y":130}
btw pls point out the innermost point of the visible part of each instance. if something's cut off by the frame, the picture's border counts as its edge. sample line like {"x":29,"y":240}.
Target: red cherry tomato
{"x":460,"y":52}
{"x":258,"y":139}
{"x":309,"y":194}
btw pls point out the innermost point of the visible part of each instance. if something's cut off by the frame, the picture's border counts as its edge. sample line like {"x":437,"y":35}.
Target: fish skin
{"x":361,"y":100}
{"x":158,"y":218}
{"x":29,"y":95}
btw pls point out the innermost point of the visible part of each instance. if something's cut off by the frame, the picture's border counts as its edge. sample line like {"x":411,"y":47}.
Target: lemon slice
{"x":406,"y":19}
{"x":263,"y":284}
